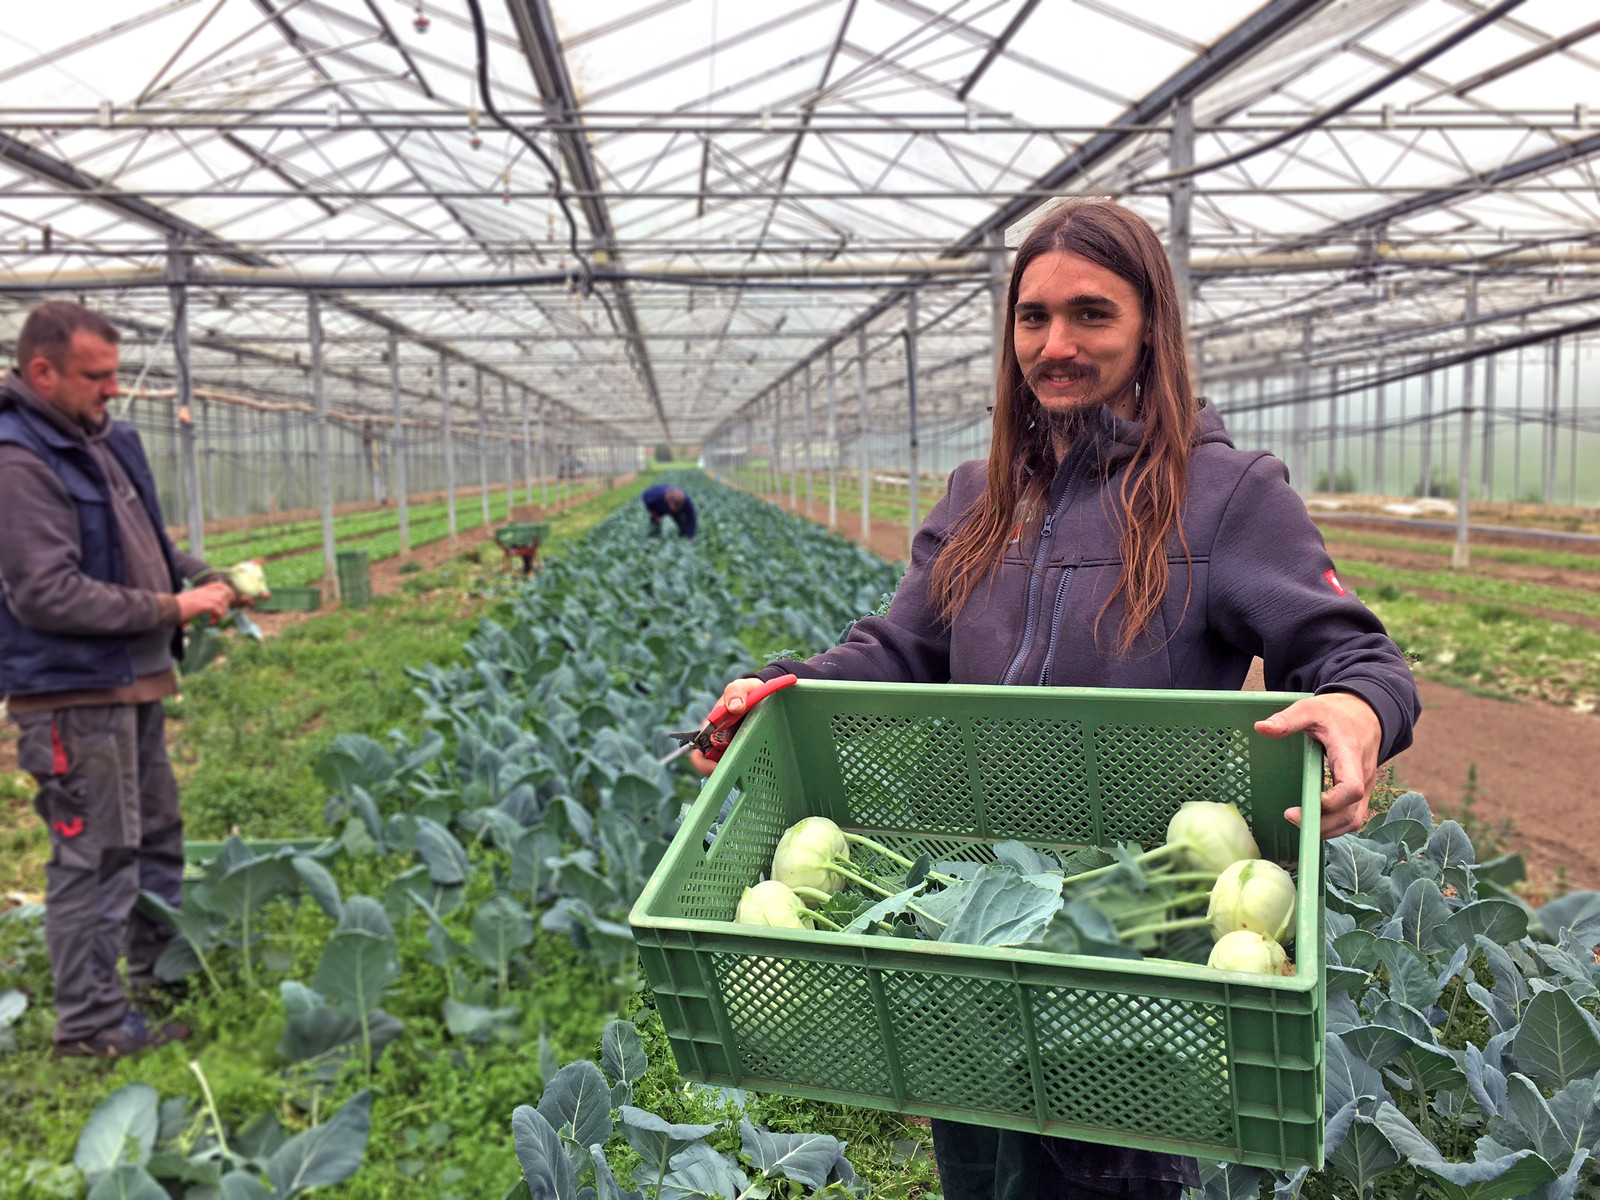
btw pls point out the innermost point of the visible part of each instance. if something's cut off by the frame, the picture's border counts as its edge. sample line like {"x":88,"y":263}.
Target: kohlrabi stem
{"x":811,"y":893}
{"x":859,"y":880}
{"x":211,"y":1107}
{"x":825,"y":923}
{"x":1147,"y":856}
{"x":878,"y":848}
{"x":1176,"y":902}
{"x":1164,"y":927}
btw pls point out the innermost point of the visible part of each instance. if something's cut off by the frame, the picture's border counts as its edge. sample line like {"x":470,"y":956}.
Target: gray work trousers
{"x":107,"y":793}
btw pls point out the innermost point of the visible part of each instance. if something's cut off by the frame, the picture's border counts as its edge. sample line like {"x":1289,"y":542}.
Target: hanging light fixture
{"x":476,"y":140}
{"x":420,"y":22}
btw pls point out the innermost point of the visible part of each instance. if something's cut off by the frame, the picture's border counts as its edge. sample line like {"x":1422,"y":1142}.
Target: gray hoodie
{"x":1257,"y":582}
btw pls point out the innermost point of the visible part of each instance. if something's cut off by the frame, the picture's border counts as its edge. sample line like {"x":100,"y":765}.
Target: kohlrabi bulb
{"x":1257,"y":895}
{"x":1210,"y":836}
{"x":248,"y":579}
{"x":1246,"y":951}
{"x":806,"y":853}
{"x":772,"y":903}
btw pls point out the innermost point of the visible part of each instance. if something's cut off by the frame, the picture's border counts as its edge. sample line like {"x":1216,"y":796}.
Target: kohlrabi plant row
{"x":1117,"y":903}
{"x":535,"y":797}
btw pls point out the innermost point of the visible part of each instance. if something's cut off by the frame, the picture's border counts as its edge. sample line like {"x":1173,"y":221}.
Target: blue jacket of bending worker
{"x":665,"y":500}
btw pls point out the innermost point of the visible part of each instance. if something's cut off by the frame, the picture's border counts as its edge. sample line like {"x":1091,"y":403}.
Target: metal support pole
{"x":511,"y":469}
{"x":1300,"y":414}
{"x":1380,"y":481}
{"x":544,"y":459}
{"x":1461,"y":554}
{"x":864,"y":451}
{"x":527,"y":448}
{"x":1491,"y":368}
{"x":1547,"y":468}
{"x":1425,"y":466}
{"x":1516,"y":437}
{"x":319,"y":400}
{"x":483,"y":449}
{"x":833,"y":449}
{"x":794,"y":459}
{"x":402,"y":491}
{"x":449,"y":451}
{"x":910,"y":336}
{"x":1333,"y":430}
{"x":999,"y":293}
{"x":811,"y":491}
{"x":177,"y":270}
{"x":1572,"y":449}
{"x":1180,"y":155}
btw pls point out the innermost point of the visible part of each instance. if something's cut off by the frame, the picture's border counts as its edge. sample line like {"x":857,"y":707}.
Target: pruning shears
{"x":712,"y":738}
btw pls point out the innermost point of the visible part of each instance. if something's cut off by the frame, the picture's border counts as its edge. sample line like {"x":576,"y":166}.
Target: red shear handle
{"x":721,"y":724}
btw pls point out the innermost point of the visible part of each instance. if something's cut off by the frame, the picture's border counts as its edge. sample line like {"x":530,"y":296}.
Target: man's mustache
{"x":1072,"y":370}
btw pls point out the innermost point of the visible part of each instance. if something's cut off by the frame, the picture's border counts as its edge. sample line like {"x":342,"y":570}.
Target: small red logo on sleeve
{"x":58,"y":752}
{"x":1333,"y":582}
{"x":69,"y":829}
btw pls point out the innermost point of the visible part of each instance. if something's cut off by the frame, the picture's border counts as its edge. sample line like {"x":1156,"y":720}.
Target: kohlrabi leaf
{"x":655,"y":1140}
{"x":355,"y":969}
{"x":1504,"y":1178}
{"x":545,"y":1165}
{"x":477,"y":1022}
{"x":314,"y":877}
{"x":324,"y":1154}
{"x":622,"y":1055}
{"x":447,"y":862}
{"x":1230,"y":1181}
{"x":1449,"y":846}
{"x":243,"y":1185}
{"x":577,"y":1103}
{"x":606,"y":1186}
{"x":1422,"y":914}
{"x":1499,"y":920}
{"x":697,"y":1172}
{"x":1025,"y":860}
{"x":122,"y":1129}
{"x":1350,"y":1078}
{"x":1353,"y":864}
{"x":1557,"y":1041}
{"x":999,"y":908}
{"x":1412,"y":806}
{"x":1485,"y":1081}
{"x":500,"y":928}
{"x":127,"y":1181}
{"x":1364,"y":1153}
{"x":1411,"y":981}
{"x":806,"y":1158}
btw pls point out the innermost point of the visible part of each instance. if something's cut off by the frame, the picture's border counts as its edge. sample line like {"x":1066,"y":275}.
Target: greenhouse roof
{"x":663,"y":209}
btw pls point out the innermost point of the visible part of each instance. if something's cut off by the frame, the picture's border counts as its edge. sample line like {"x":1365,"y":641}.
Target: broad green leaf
{"x":1353,"y":865}
{"x":545,"y":1166}
{"x":1410,"y":979}
{"x":866,"y":920}
{"x":1498,"y":920}
{"x":1412,"y":835}
{"x":354,"y":760}
{"x":1230,"y":1181}
{"x":998,"y":908}
{"x":1364,"y":1154}
{"x":314,"y":877}
{"x":655,"y":1140}
{"x":355,"y":970}
{"x":324,"y":1154}
{"x":500,"y":928}
{"x":122,"y":1129}
{"x":1508,"y":1177}
{"x":605,"y":1183}
{"x":1423,"y":913}
{"x":245,"y":887}
{"x":1578,"y":911}
{"x":476,"y":1022}
{"x":1450,"y":846}
{"x":447,"y":862}
{"x":577,"y":1103}
{"x":241,"y":1185}
{"x":1350,"y":1078}
{"x":314,"y":1030}
{"x":1025,"y":860}
{"x":698,"y":1172}
{"x":548,"y":1063}
{"x":528,"y":857}
{"x":1411,"y":805}
{"x":622,"y":1055}
{"x":1557,"y":1041}
{"x":806,"y":1158}
{"x":1486,"y":1082}
{"x":1531,"y":1111}
{"x":127,"y":1181}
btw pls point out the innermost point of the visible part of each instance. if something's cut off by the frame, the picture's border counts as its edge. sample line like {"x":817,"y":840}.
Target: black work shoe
{"x":137,"y":1033}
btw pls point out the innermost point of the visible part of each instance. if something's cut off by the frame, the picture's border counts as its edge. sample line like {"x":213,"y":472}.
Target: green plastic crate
{"x":291,"y":599}
{"x":1159,"y":1055}
{"x":355,"y":578}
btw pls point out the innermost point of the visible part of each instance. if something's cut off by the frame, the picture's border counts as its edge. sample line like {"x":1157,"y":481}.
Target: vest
{"x":32,"y":661}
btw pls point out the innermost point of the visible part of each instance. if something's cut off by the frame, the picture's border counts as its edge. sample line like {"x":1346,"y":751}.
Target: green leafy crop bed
{"x":440,"y":997}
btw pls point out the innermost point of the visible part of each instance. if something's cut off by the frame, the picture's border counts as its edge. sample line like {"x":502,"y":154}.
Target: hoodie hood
{"x":1119,"y":439}
{"x":15,"y":390}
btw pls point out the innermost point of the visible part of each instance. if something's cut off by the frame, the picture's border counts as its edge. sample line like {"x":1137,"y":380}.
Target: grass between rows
{"x":1563,"y":560}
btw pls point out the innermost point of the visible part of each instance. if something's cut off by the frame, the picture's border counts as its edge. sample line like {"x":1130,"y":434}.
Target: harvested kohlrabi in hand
{"x":248,"y":579}
{"x":1208,"y":836}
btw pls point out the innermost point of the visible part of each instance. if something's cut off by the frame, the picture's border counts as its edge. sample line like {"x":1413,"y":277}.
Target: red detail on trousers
{"x":68,"y":829}
{"x":58,"y":762}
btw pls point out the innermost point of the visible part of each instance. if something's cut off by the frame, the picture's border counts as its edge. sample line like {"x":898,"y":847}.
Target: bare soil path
{"x":1538,"y":765}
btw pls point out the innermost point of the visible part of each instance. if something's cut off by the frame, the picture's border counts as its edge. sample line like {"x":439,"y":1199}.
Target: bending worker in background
{"x":1115,"y":538}
{"x":91,"y":620}
{"x":668,"y":500}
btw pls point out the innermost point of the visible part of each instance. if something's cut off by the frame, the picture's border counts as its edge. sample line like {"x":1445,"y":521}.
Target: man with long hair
{"x":1115,"y":538}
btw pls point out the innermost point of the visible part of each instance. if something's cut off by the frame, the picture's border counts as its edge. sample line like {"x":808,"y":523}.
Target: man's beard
{"x":1070,"y":427}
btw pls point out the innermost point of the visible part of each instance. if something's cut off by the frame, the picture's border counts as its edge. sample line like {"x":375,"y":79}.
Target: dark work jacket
{"x":33,"y":661}
{"x":655,"y":503}
{"x":1257,"y":581}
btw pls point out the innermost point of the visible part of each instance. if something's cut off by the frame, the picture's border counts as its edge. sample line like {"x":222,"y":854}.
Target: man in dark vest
{"x":91,"y":618}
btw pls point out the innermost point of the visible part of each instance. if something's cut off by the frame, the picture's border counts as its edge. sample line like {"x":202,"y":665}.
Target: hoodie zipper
{"x":1041,"y":556}
{"x":1055,"y":625}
